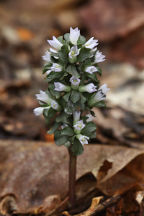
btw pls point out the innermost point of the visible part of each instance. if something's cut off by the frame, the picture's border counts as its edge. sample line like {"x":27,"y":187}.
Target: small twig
{"x":97,"y":207}
{"x":102,"y":206}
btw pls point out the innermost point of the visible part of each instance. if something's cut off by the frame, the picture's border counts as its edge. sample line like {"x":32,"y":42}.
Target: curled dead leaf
{"x":8,"y":204}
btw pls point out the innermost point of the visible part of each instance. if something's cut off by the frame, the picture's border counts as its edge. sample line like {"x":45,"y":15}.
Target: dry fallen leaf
{"x":33,"y":171}
{"x":119,"y":127}
{"x":99,"y":15}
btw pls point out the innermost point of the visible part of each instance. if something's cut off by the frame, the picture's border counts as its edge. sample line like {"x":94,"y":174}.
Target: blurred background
{"x":25,"y":27}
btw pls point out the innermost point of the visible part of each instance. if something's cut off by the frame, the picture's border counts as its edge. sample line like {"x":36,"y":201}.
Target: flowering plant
{"x":72,"y":71}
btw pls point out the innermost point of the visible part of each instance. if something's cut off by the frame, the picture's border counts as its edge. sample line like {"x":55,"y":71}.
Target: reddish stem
{"x":72,"y":178}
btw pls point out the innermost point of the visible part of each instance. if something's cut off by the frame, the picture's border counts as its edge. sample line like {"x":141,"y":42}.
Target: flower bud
{"x":76,"y":116}
{"x":74,"y":35}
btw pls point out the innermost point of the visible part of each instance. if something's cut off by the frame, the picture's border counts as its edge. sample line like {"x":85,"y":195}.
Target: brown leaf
{"x":99,"y":15}
{"x":119,"y":126}
{"x":14,"y":86}
{"x":35,"y":171}
{"x":126,"y":204}
{"x":49,"y":204}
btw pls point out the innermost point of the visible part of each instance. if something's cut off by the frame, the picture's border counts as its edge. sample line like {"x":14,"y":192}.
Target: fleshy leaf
{"x":81,"y":40}
{"x":66,"y":96}
{"x":77,"y":147}
{"x":66,"y":36}
{"x":53,"y":75}
{"x":61,"y":140}
{"x":62,"y":118}
{"x":71,"y":69}
{"x":63,"y":54}
{"x":67,"y":131}
{"x":84,"y":54}
{"x":75,"y":96}
{"x":89,"y":129}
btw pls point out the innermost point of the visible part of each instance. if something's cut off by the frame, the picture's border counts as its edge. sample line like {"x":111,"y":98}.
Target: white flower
{"x":79,"y":125}
{"x":91,"y":69}
{"x":99,"y":57}
{"x":55,"y":43}
{"x":54,"y":52}
{"x":104,"y":89}
{"x":74,"y":51}
{"x":56,"y":67}
{"x":74,"y":35}
{"x":88,"y":88}
{"x":91,"y":43}
{"x":83,"y":139}
{"x":48,"y":72}
{"x":93,"y":52}
{"x":56,"y":57}
{"x":74,"y":81}
{"x":39,"y":110}
{"x":101,"y":94}
{"x":89,"y":118}
{"x":43,"y":96}
{"x":47,"y":56}
{"x":76,"y":116}
{"x":54,"y":105}
{"x":61,"y":87}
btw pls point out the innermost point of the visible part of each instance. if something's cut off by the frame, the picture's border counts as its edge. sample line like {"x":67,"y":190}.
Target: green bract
{"x":72,"y":73}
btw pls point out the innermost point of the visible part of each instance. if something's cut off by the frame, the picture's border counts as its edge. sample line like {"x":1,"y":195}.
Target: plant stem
{"x":72,"y":177}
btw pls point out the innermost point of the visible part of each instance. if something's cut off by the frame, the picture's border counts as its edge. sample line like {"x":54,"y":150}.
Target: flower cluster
{"x":71,"y":70}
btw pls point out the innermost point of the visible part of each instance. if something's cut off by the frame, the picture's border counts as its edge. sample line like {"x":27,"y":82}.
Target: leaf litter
{"x":36,"y":182}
